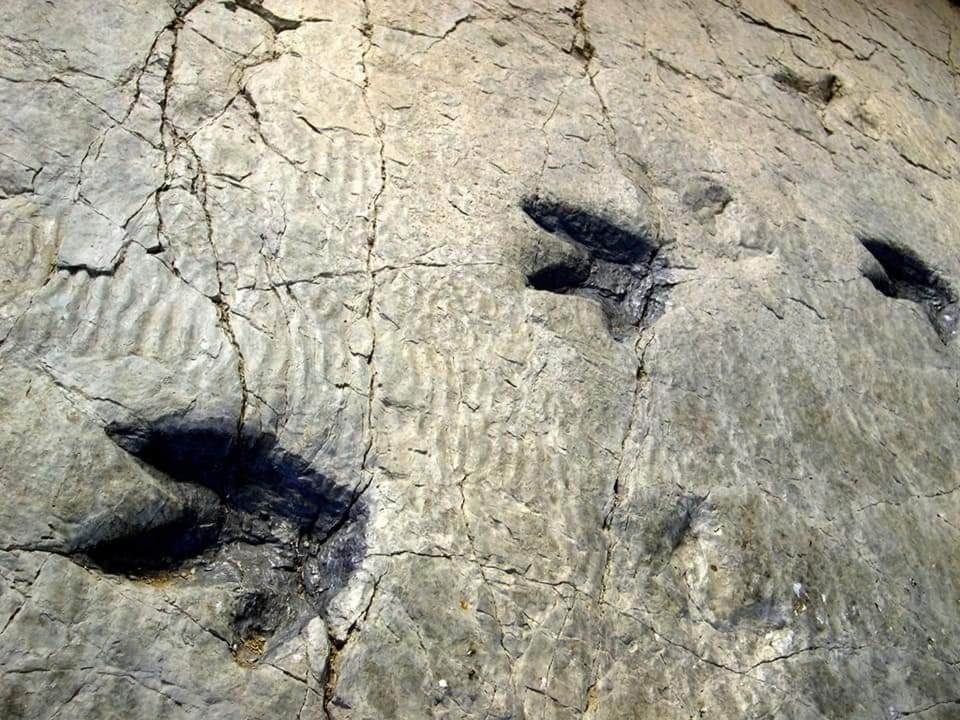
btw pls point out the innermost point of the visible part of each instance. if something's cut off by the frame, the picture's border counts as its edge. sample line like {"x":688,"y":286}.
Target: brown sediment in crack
{"x":223,"y":315}
{"x":248,"y":651}
{"x":333,"y":672}
{"x":337,"y":646}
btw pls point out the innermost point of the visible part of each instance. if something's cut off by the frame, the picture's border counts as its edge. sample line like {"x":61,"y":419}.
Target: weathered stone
{"x":506,"y":359}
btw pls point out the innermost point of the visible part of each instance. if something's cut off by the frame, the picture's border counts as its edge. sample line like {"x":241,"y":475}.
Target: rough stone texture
{"x":324,"y":393}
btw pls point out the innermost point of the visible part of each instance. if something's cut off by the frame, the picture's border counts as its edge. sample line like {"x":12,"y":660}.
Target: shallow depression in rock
{"x":246,"y":501}
{"x":901,"y":274}
{"x":617,"y":267}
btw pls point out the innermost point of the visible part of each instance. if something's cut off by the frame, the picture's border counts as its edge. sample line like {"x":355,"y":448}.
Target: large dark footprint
{"x":249,"y":513}
{"x":899,"y":273}
{"x":615,"y":266}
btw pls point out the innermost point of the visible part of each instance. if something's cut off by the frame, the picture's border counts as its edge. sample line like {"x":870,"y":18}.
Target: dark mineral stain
{"x":899,"y":273}
{"x":278,"y":24}
{"x":248,"y":504}
{"x":614,"y":266}
{"x":678,"y":523}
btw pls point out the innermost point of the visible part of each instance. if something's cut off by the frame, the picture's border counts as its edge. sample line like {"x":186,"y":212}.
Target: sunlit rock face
{"x":479,"y":359}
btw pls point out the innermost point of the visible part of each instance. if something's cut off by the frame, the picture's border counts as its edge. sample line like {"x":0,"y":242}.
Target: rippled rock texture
{"x":479,"y":359}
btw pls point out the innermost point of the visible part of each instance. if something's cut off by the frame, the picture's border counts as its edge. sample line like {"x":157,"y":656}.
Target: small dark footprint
{"x":821,"y":89}
{"x":614,"y":266}
{"x":899,"y":273}
{"x":706,"y":199}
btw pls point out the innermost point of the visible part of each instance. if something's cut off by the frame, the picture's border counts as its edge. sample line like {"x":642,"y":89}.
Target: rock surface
{"x":479,"y":359}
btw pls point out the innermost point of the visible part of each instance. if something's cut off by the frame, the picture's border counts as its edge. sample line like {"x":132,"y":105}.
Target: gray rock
{"x":479,"y":359}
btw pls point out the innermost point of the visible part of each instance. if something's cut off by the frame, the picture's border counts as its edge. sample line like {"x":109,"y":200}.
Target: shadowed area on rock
{"x":237,"y":497}
{"x":613,"y":265}
{"x":899,"y":273}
